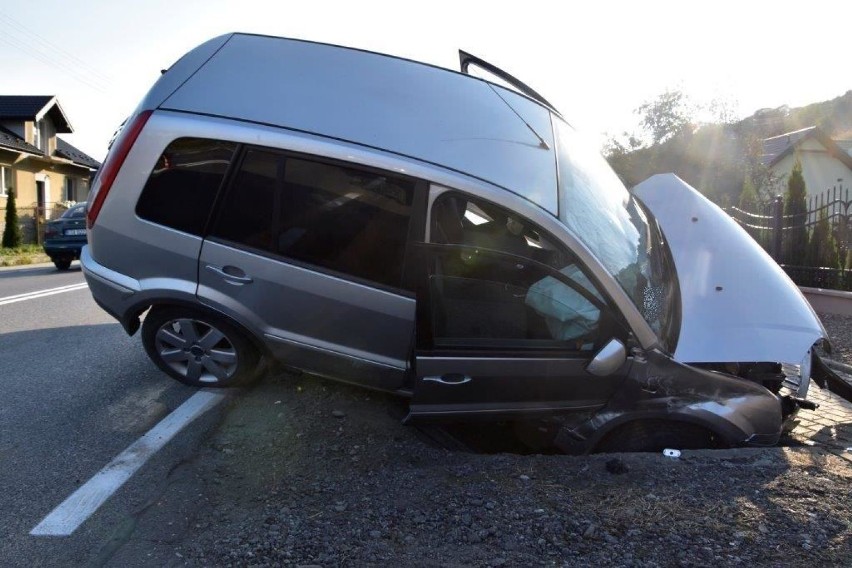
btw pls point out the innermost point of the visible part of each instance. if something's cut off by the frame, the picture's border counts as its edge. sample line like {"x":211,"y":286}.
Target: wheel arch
{"x":588,"y":437}
{"x":632,"y":423}
{"x":131,"y":321}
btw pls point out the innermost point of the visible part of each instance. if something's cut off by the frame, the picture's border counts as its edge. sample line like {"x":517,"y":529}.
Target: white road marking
{"x":41,"y":293}
{"x":78,"y":507}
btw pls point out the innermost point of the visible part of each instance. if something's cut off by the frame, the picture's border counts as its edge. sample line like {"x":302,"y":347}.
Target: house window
{"x":70,"y":189}
{"x":5,"y":180}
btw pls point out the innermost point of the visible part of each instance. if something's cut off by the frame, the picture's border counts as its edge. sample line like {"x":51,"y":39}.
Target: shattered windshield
{"x":600,"y":211}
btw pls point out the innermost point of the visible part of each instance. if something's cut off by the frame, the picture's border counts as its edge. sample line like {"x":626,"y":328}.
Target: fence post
{"x":777,"y":225}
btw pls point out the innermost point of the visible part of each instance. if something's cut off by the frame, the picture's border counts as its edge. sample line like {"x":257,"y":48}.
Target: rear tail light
{"x":50,"y":231}
{"x":113,"y":162}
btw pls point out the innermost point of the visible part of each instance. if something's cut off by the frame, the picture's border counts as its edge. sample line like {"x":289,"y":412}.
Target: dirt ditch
{"x":305,"y":472}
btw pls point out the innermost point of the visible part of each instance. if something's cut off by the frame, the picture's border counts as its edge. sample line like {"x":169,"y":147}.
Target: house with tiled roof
{"x":35,"y":162}
{"x":826,"y":163}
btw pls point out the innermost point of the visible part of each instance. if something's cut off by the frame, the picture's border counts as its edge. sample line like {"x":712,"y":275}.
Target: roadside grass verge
{"x":24,"y":254}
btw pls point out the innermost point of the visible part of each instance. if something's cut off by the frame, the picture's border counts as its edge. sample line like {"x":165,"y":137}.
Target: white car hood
{"x":737,"y":304}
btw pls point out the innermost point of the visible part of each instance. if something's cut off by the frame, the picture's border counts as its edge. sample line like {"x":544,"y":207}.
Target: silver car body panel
{"x":432,"y":114}
{"x":166,"y":251}
{"x":451,"y":130}
{"x":737,"y":303}
{"x":309,"y":318}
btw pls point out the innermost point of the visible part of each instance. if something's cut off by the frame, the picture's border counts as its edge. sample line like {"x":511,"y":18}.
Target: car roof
{"x":431,"y":114}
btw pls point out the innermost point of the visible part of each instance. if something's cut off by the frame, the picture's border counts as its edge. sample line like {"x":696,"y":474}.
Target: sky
{"x":596,"y":61}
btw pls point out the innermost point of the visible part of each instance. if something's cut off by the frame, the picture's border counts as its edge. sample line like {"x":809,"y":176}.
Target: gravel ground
{"x":840,"y":332}
{"x":304,"y":472}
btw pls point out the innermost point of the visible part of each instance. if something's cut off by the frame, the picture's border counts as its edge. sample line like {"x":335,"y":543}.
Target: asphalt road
{"x":76,"y":392}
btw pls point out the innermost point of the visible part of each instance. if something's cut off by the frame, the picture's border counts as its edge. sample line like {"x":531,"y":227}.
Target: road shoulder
{"x":302,"y":471}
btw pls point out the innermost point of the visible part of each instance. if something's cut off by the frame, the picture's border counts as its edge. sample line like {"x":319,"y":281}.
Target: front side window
{"x":497,"y":280}
{"x":183,"y":184}
{"x":339,"y":217}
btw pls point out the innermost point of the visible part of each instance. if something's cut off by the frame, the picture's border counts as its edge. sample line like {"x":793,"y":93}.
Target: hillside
{"x":715,"y":158}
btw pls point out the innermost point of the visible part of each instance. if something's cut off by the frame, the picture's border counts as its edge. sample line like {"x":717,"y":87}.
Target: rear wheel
{"x":198,"y":349}
{"x":657,"y":435}
{"x":62,"y":263}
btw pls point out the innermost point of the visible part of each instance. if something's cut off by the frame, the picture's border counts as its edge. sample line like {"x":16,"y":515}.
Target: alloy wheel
{"x":196,"y":350}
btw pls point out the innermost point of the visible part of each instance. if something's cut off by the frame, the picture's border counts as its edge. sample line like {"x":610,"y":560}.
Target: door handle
{"x":450,"y":379}
{"x":231,"y":274}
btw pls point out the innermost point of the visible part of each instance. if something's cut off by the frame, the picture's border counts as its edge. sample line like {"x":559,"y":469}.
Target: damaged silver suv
{"x":439,"y":236}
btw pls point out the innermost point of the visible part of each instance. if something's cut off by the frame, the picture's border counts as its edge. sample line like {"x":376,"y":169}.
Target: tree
{"x":796,"y":211}
{"x":822,"y":250}
{"x":12,"y":232}
{"x":749,"y":200}
{"x":621,"y":146}
{"x":666,"y":116}
{"x":766,"y":183}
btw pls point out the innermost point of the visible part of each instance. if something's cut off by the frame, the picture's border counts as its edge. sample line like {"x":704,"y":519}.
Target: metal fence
{"x":32,"y":218}
{"x":778,"y":233}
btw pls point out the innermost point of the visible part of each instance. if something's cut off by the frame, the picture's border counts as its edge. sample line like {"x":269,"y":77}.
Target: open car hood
{"x":737,"y":304}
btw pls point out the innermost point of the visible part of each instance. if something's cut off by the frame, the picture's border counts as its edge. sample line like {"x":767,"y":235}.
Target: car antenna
{"x":542,"y":143}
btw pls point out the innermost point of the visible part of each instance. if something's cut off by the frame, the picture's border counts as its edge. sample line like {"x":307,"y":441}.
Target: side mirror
{"x":609,"y":359}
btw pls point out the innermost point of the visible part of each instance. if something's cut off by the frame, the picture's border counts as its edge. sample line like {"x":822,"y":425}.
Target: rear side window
{"x":333,"y":216}
{"x":182,"y":187}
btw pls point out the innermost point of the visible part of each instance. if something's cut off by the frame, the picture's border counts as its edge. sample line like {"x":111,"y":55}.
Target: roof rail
{"x":466,"y":59}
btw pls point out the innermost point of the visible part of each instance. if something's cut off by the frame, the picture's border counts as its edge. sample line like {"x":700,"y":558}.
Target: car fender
{"x":737,"y":411}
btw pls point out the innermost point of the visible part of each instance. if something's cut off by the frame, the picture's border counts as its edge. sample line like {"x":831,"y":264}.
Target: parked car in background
{"x":65,"y":237}
{"x":441,"y":237}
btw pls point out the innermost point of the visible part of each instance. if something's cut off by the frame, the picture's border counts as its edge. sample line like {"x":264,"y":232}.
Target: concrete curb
{"x":838,"y":366}
{"x":829,"y":301}
{"x":25,"y":266}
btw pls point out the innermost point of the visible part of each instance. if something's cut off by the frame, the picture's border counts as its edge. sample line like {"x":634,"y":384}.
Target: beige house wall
{"x":26,"y":170}
{"x":28,"y":132}
{"x":819,"y":169}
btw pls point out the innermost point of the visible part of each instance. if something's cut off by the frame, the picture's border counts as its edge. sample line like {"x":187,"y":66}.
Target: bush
{"x":822,"y":249}
{"x":796,"y":210}
{"x":12,"y":233}
{"x":748,"y":197}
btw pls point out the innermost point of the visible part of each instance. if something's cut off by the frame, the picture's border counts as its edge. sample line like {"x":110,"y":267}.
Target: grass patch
{"x":24,"y":254}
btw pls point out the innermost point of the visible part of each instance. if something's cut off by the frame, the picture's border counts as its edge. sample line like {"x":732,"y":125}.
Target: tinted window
{"x":248,"y":211}
{"x":338,"y":217}
{"x":182,"y":187}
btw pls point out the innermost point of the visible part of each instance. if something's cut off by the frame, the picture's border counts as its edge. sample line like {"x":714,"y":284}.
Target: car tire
{"x":198,"y":348}
{"x":655,"y":436}
{"x":62,"y":263}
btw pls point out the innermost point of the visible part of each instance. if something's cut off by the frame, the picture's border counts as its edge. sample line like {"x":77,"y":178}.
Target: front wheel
{"x":198,"y":349}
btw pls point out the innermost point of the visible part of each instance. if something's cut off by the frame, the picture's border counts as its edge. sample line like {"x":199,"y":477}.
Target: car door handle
{"x":450,"y":379}
{"x":231,"y":274}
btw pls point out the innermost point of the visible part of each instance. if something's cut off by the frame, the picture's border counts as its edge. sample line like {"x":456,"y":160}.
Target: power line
{"x":55,"y":49}
{"x":13,"y":39}
{"x":47,"y":60}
